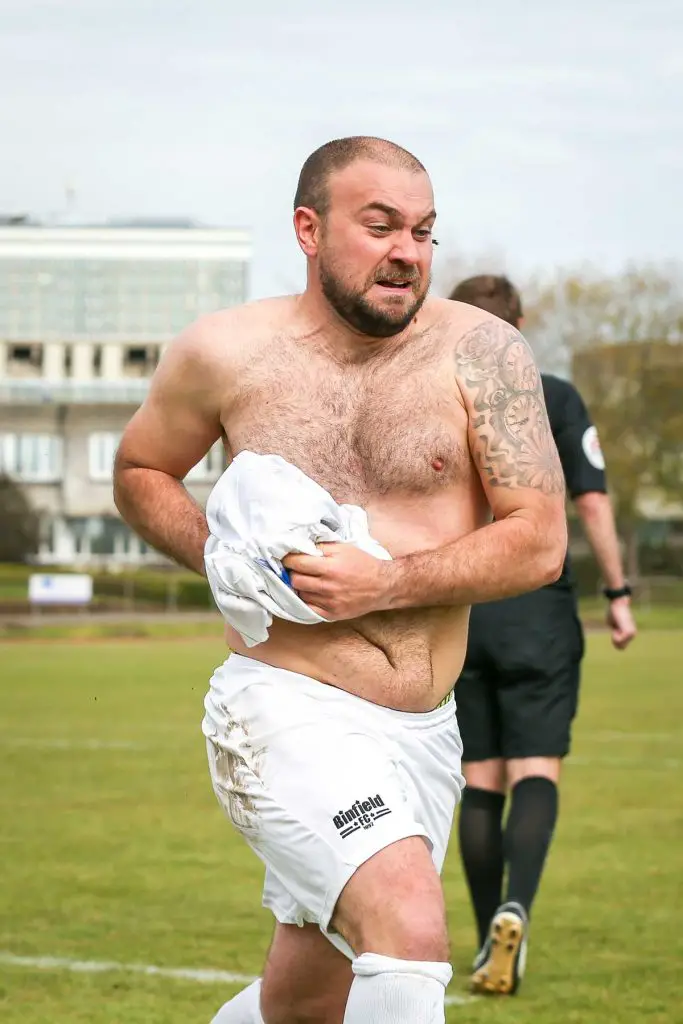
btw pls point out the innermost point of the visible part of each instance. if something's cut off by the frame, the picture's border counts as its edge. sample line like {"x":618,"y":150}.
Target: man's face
{"x":375,"y":251}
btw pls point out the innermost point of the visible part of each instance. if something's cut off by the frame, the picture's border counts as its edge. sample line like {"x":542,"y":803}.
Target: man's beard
{"x":360,"y":313}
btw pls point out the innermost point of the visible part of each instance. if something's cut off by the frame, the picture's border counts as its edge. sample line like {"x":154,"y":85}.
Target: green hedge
{"x":148,"y":587}
{"x":659,"y":569}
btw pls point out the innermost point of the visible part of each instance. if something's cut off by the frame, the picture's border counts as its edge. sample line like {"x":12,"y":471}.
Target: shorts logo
{"x":363,"y":814}
{"x":590,"y":443}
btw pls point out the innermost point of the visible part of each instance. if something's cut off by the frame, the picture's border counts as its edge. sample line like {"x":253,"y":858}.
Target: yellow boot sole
{"x":497,"y":976}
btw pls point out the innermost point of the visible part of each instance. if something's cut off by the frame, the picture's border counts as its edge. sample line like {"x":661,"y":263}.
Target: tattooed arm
{"x":517,"y":461}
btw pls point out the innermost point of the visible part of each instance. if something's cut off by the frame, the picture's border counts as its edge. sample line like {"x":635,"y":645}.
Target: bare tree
{"x":19,"y":523}
{"x":634,"y":392}
{"x":621,"y":338}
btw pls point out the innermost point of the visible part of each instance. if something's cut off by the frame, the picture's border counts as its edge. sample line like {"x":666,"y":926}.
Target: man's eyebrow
{"x":392,"y":212}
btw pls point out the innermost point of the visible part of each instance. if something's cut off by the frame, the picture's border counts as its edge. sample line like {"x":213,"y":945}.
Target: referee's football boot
{"x":500,"y":963}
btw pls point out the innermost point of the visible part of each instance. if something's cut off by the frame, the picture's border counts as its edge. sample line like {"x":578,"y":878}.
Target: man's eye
{"x":423,"y":233}
{"x":381,"y":229}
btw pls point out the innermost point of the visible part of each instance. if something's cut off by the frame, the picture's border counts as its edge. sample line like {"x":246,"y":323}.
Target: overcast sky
{"x":551,"y":137}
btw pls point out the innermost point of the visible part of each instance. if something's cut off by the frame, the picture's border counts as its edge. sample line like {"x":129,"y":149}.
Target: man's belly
{"x":407,"y":660}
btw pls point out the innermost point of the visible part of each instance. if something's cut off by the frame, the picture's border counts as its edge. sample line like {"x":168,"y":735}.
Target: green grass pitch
{"x":113,"y":848}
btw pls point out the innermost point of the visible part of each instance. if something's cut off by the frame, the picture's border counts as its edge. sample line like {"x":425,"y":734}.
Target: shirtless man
{"x":332,"y":747}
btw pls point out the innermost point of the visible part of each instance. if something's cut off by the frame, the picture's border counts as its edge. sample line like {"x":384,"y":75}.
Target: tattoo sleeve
{"x":514,"y":446}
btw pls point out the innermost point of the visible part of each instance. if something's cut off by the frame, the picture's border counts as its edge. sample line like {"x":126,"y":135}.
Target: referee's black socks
{"x":480,"y":833}
{"x":528,"y":832}
{"x":487,"y":848}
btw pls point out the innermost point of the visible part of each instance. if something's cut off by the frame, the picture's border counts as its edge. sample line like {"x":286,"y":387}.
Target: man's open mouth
{"x":399,"y":286}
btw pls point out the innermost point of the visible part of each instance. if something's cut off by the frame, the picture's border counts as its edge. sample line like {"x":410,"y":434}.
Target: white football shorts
{"x":318,"y":780}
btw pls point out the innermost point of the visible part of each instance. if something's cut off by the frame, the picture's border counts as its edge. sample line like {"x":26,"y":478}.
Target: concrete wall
{"x":77,"y":494}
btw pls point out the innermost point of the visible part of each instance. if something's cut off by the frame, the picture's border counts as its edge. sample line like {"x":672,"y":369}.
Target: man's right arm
{"x":172,"y":430}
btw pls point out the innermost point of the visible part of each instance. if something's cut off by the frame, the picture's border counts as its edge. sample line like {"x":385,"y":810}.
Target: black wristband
{"x":613,"y":594}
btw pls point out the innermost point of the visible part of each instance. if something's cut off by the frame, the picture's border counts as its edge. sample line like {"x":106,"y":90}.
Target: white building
{"x":84,"y":315}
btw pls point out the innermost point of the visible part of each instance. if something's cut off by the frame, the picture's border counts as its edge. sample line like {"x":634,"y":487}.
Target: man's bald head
{"x":312,"y":190}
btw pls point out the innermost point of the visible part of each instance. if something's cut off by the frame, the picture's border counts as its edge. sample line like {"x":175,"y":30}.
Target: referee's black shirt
{"x":577,"y":444}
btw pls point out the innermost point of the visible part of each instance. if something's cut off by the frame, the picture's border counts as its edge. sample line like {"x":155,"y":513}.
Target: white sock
{"x":243,"y":1009}
{"x":390,"y":991}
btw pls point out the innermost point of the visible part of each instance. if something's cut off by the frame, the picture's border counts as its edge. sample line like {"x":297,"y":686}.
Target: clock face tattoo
{"x":520,"y":415}
{"x":518,"y":368}
{"x":514,"y":446}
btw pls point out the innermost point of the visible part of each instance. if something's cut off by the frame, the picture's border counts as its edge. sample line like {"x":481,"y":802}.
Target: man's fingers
{"x":311,"y":565}
{"x":306,"y":565}
{"x":621,"y":638}
{"x":316,"y":586}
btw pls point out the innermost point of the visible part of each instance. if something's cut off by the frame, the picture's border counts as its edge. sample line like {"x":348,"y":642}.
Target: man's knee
{"x":393,"y":905}
{"x":414,"y":930}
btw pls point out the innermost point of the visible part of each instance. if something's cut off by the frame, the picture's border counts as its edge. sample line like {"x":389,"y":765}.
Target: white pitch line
{"x":54,"y":963}
{"x":204,"y":976}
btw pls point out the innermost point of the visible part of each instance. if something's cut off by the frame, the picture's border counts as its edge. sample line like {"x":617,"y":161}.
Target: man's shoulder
{"x":477,"y":337}
{"x":461,"y":315}
{"x":462,"y":321}
{"x":225,"y":333}
{"x":256,"y":315}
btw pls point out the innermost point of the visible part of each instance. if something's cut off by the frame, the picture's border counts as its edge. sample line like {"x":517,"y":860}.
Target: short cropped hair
{"x":312,"y":190}
{"x":495,"y":294}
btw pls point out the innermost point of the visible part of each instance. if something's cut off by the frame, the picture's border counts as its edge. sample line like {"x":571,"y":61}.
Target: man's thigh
{"x":305,"y":977}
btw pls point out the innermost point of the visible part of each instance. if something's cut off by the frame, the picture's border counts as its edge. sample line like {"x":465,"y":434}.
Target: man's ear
{"x":307,"y":228}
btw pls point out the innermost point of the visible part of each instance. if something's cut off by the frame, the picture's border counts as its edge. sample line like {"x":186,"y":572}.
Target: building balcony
{"x":39,"y":391}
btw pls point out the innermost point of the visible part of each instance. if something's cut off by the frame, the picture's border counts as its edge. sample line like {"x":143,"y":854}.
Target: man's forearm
{"x":163,"y":513}
{"x":597,"y":518}
{"x":500,"y":560}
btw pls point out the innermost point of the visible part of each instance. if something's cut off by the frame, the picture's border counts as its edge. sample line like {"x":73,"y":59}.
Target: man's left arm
{"x":513,"y":450}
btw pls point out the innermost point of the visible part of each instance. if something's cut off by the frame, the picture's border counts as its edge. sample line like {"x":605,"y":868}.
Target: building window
{"x":140,"y":360}
{"x":22,"y":354}
{"x":31,"y":458}
{"x":210,"y":467}
{"x":24,"y":360}
{"x":101,"y":453}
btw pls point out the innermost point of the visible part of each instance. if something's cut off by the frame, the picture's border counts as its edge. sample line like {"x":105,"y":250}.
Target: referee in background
{"x":518,"y":692}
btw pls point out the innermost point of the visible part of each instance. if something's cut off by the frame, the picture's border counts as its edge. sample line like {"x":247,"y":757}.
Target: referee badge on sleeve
{"x":590,"y":443}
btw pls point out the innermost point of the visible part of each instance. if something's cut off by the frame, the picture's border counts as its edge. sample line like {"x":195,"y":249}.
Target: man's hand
{"x":620,"y":620}
{"x":345,"y":583}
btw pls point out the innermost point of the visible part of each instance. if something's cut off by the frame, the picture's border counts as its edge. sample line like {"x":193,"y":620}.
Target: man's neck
{"x":327,"y":330}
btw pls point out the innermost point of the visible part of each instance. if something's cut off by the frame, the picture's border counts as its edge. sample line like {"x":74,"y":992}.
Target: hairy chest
{"x":357,"y":431}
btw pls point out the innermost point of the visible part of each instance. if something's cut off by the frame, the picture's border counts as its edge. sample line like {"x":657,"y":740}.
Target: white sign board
{"x":60,"y":588}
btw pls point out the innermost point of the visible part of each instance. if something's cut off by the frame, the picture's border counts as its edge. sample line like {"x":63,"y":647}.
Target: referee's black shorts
{"x":518,"y":692}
